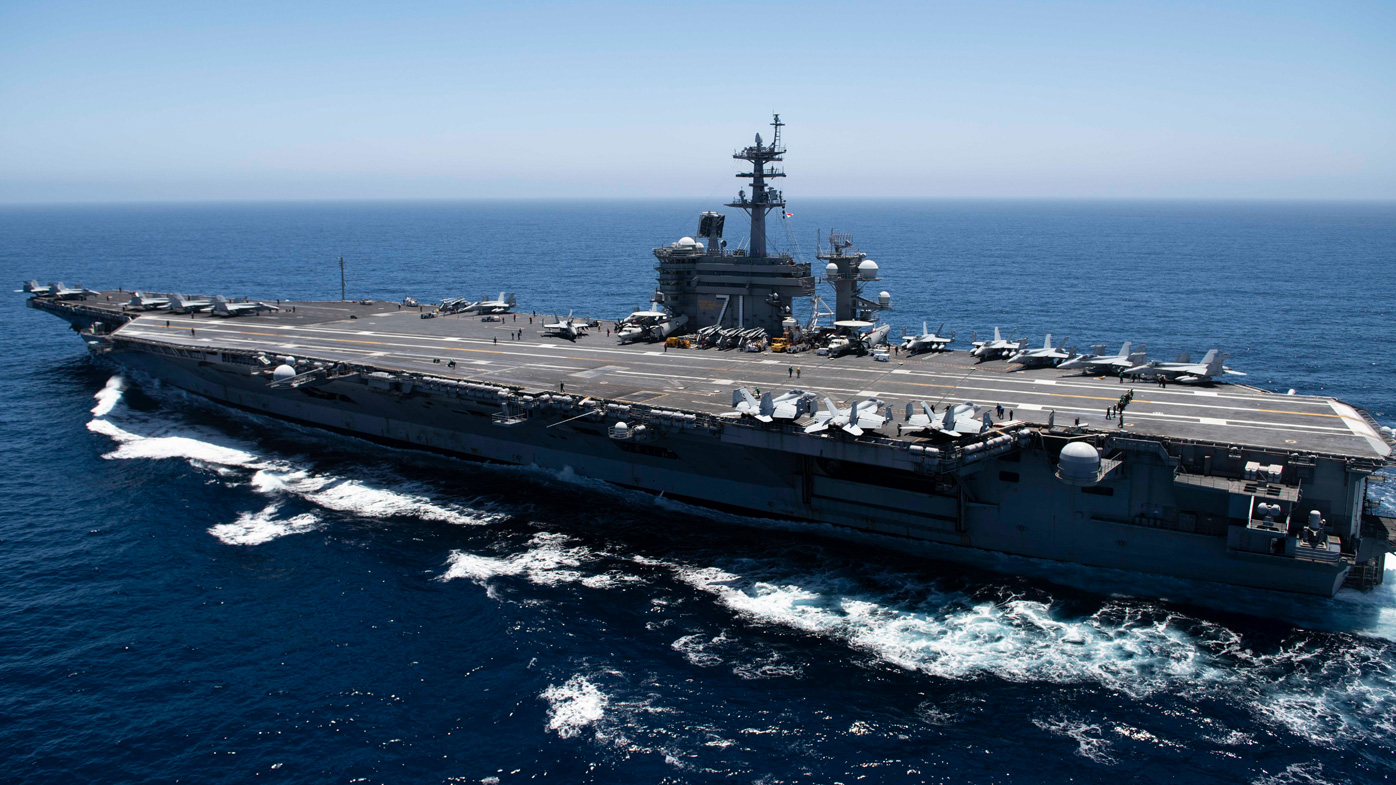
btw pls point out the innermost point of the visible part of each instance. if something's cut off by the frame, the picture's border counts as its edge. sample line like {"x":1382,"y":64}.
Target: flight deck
{"x":391,"y":337}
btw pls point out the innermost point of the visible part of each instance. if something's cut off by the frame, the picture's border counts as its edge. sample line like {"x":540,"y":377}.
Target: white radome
{"x":1079,"y":462}
{"x":283,"y":372}
{"x":867,"y":269}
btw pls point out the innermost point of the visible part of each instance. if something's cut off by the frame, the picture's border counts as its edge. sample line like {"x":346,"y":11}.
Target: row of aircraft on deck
{"x":870,"y":414}
{"x":1128,"y":361}
{"x":140,"y":301}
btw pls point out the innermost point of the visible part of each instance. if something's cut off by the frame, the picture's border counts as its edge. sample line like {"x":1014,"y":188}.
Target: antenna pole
{"x":342,"y":298}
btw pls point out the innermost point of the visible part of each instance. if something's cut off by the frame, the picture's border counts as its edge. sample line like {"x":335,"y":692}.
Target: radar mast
{"x":764,"y":198}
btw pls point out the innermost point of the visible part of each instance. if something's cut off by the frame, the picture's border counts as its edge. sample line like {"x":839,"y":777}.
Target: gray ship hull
{"x":1007,"y":504}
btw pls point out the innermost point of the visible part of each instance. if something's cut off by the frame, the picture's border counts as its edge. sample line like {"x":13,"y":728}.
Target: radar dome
{"x":831,"y":269}
{"x":884,"y":299}
{"x":867,"y":269}
{"x":1079,"y":464}
{"x":283,"y":372}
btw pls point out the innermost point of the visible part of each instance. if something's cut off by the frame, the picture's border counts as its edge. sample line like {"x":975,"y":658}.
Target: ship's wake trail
{"x":1333,"y":689}
{"x":145,"y":436}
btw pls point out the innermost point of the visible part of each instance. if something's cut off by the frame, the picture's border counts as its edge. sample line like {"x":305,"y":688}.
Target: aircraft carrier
{"x":1207,"y":481}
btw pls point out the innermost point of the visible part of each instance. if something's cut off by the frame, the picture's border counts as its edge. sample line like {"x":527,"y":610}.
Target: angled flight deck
{"x":387,"y":336}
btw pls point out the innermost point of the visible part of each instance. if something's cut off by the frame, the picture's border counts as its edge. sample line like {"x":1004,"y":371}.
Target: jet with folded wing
{"x":221,"y":307}
{"x":569,"y":328}
{"x":140,"y":301}
{"x":995,"y":349}
{"x":959,"y":420}
{"x":64,"y":293}
{"x":862,"y":416}
{"x":1184,"y":371}
{"x":787,"y":406}
{"x":927,"y":341}
{"x":503,"y":304}
{"x":1098,"y":362}
{"x":1043,"y":357}
{"x":181,"y":304}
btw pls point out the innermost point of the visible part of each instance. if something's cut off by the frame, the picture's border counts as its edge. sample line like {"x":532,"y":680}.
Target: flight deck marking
{"x":917,"y":384}
{"x":1356,"y":427}
{"x":594,"y":372}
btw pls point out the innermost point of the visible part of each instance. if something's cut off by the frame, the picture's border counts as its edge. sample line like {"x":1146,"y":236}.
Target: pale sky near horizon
{"x":172,"y":101}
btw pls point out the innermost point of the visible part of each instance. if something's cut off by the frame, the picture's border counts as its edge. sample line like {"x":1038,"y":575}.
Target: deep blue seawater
{"x":189,"y":594}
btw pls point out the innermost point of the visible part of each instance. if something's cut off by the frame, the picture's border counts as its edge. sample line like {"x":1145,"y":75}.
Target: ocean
{"x":194,"y":594}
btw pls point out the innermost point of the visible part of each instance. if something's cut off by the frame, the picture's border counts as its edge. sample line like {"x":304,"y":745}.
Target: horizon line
{"x":194,"y":202}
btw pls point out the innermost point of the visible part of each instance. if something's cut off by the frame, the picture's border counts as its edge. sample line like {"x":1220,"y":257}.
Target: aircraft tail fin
{"x":1184,"y":357}
{"x":1047,"y":343}
{"x":1213,"y":361}
{"x":997,"y":336}
{"x":929,"y":410}
{"x":1124,"y":350}
{"x":910,"y":408}
{"x":830,"y":407}
{"x":768,"y":408}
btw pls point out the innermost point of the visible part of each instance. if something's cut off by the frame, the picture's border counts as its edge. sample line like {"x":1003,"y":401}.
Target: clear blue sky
{"x":116,"y":101}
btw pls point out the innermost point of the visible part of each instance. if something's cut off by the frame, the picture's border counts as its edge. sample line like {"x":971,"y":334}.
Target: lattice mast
{"x":764,"y":198}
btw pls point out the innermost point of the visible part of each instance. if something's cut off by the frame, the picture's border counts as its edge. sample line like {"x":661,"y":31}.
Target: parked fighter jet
{"x":1183,"y":370}
{"x":33,"y":287}
{"x":64,"y":293}
{"x":565,"y":328}
{"x":181,"y":304}
{"x":788,"y":406}
{"x":504,"y":304}
{"x":992,"y":350}
{"x":221,"y":307}
{"x":860,"y":417}
{"x":1098,"y":362}
{"x":927,"y":341}
{"x":1047,"y":355}
{"x":140,"y":301}
{"x":956,"y":421}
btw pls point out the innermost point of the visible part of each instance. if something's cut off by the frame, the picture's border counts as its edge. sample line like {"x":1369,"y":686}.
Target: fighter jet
{"x":956,"y":421}
{"x":504,"y":304}
{"x":787,"y":406}
{"x":1047,"y":355}
{"x":927,"y":341}
{"x":565,"y":328}
{"x":860,"y":417}
{"x":1097,"y":362}
{"x":64,"y":293}
{"x":33,"y":287}
{"x":1183,"y":370}
{"x":221,"y":307}
{"x":993,"y":350}
{"x":140,"y":301}
{"x":181,"y":304}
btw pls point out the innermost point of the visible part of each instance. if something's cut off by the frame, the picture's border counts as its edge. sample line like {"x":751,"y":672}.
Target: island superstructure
{"x":1214,"y":482}
{"x":700,"y":278}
